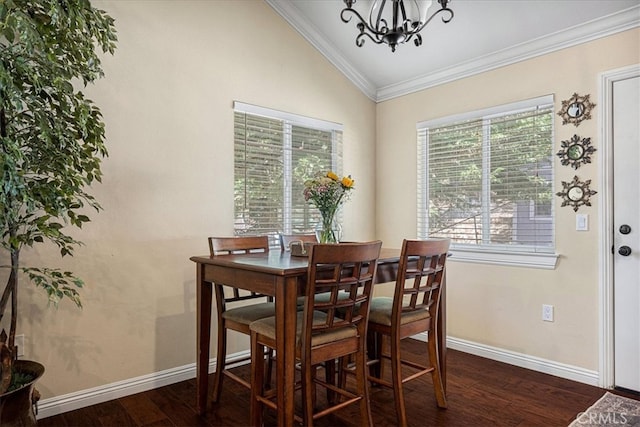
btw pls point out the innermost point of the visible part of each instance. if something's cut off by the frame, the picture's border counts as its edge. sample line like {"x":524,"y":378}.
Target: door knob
{"x":625,"y":229}
{"x":624,"y":250}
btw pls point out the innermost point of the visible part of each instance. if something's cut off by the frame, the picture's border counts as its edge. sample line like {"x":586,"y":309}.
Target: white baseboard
{"x":93,"y":396}
{"x":81,"y":399}
{"x":538,"y":364}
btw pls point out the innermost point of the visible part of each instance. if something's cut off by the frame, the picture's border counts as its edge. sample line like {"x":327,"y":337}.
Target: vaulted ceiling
{"x":483,"y":35}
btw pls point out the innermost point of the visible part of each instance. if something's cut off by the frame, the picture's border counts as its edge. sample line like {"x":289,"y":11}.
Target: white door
{"x":626,"y":232}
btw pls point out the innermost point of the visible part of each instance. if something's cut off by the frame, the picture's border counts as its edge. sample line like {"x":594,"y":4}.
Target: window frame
{"x":290,"y":120}
{"x":511,"y":255}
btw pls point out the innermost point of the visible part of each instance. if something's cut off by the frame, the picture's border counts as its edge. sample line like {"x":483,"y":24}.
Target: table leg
{"x":286,"y":293}
{"x":442,"y":334}
{"x":203,"y":325}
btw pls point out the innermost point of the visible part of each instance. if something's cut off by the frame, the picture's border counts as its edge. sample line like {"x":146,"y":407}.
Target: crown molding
{"x":583,"y":33}
{"x":311,"y":33}
{"x":592,"y":30}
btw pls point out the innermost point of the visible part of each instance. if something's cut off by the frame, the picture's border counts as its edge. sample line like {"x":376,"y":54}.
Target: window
{"x":274,"y":154}
{"x":485,"y":180}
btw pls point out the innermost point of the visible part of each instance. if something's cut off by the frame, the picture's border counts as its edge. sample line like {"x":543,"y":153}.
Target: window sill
{"x":546,"y":261}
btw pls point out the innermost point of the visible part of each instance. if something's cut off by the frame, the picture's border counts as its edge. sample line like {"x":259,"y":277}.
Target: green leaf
{"x":52,"y":137}
{"x":8,"y":33}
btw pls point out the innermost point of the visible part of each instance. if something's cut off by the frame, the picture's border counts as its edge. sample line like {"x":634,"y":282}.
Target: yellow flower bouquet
{"x":327,"y":191}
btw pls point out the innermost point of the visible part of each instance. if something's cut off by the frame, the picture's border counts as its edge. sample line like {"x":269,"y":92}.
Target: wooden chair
{"x":413,"y":309}
{"x":237,"y":317}
{"x":286,"y":239}
{"x":322,"y":336}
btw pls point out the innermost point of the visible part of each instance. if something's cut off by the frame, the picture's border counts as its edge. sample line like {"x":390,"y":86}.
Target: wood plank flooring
{"x":480,"y":392}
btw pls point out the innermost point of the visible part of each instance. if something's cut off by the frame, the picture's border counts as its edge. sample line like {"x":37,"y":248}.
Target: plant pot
{"x":16,"y":407}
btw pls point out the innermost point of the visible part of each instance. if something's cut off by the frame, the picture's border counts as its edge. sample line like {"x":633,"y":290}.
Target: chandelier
{"x":400,"y":22}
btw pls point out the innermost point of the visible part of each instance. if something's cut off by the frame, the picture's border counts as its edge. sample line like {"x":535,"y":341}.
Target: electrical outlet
{"x":20,"y":344}
{"x":547,"y":313}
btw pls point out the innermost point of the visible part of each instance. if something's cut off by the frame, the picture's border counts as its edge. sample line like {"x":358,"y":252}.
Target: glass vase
{"x":328,"y":231}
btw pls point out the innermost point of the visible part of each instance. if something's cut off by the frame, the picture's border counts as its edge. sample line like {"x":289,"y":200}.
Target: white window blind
{"x":485,"y":179}
{"x":274,"y":154}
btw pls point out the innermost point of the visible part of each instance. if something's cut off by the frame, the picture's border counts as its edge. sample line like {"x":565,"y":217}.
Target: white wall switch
{"x":582,"y":222}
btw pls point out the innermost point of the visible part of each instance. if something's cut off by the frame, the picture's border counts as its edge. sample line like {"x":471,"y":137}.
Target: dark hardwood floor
{"x":480,"y":392}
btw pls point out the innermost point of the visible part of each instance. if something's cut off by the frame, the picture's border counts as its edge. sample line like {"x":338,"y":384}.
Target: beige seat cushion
{"x":267,"y":327}
{"x":380,"y":312}
{"x":250,"y":313}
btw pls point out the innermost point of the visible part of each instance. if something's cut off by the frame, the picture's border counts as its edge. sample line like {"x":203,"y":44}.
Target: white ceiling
{"x":483,"y":35}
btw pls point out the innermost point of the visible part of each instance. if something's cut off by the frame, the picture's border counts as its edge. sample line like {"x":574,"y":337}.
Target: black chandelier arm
{"x":363,"y":24}
{"x":417,"y":41}
{"x":378,"y":39}
{"x":444,"y":19}
{"x":350,"y":10}
{"x":400,"y":32}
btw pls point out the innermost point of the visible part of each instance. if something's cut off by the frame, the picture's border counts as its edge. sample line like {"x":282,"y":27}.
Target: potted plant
{"x":51,"y":146}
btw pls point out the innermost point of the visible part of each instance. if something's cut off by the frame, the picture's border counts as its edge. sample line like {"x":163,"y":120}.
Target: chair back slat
{"x":222,"y":246}
{"x":238,"y":245}
{"x":344,"y":274}
{"x":420,"y":276}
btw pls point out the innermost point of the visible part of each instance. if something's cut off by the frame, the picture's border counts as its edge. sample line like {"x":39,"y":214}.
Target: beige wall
{"x":494,"y":305}
{"x":168,"y":183}
{"x":167,"y":102}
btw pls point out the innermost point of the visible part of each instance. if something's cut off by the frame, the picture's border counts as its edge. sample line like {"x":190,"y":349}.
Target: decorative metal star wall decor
{"x":576,"y":109}
{"x":576,"y":193}
{"x":576,"y":151}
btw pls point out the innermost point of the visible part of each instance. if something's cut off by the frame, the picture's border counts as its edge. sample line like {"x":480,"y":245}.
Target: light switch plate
{"x":582,"y":222}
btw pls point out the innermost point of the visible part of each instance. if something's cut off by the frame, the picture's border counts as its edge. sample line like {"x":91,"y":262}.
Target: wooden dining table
{"x":282,"y":276}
